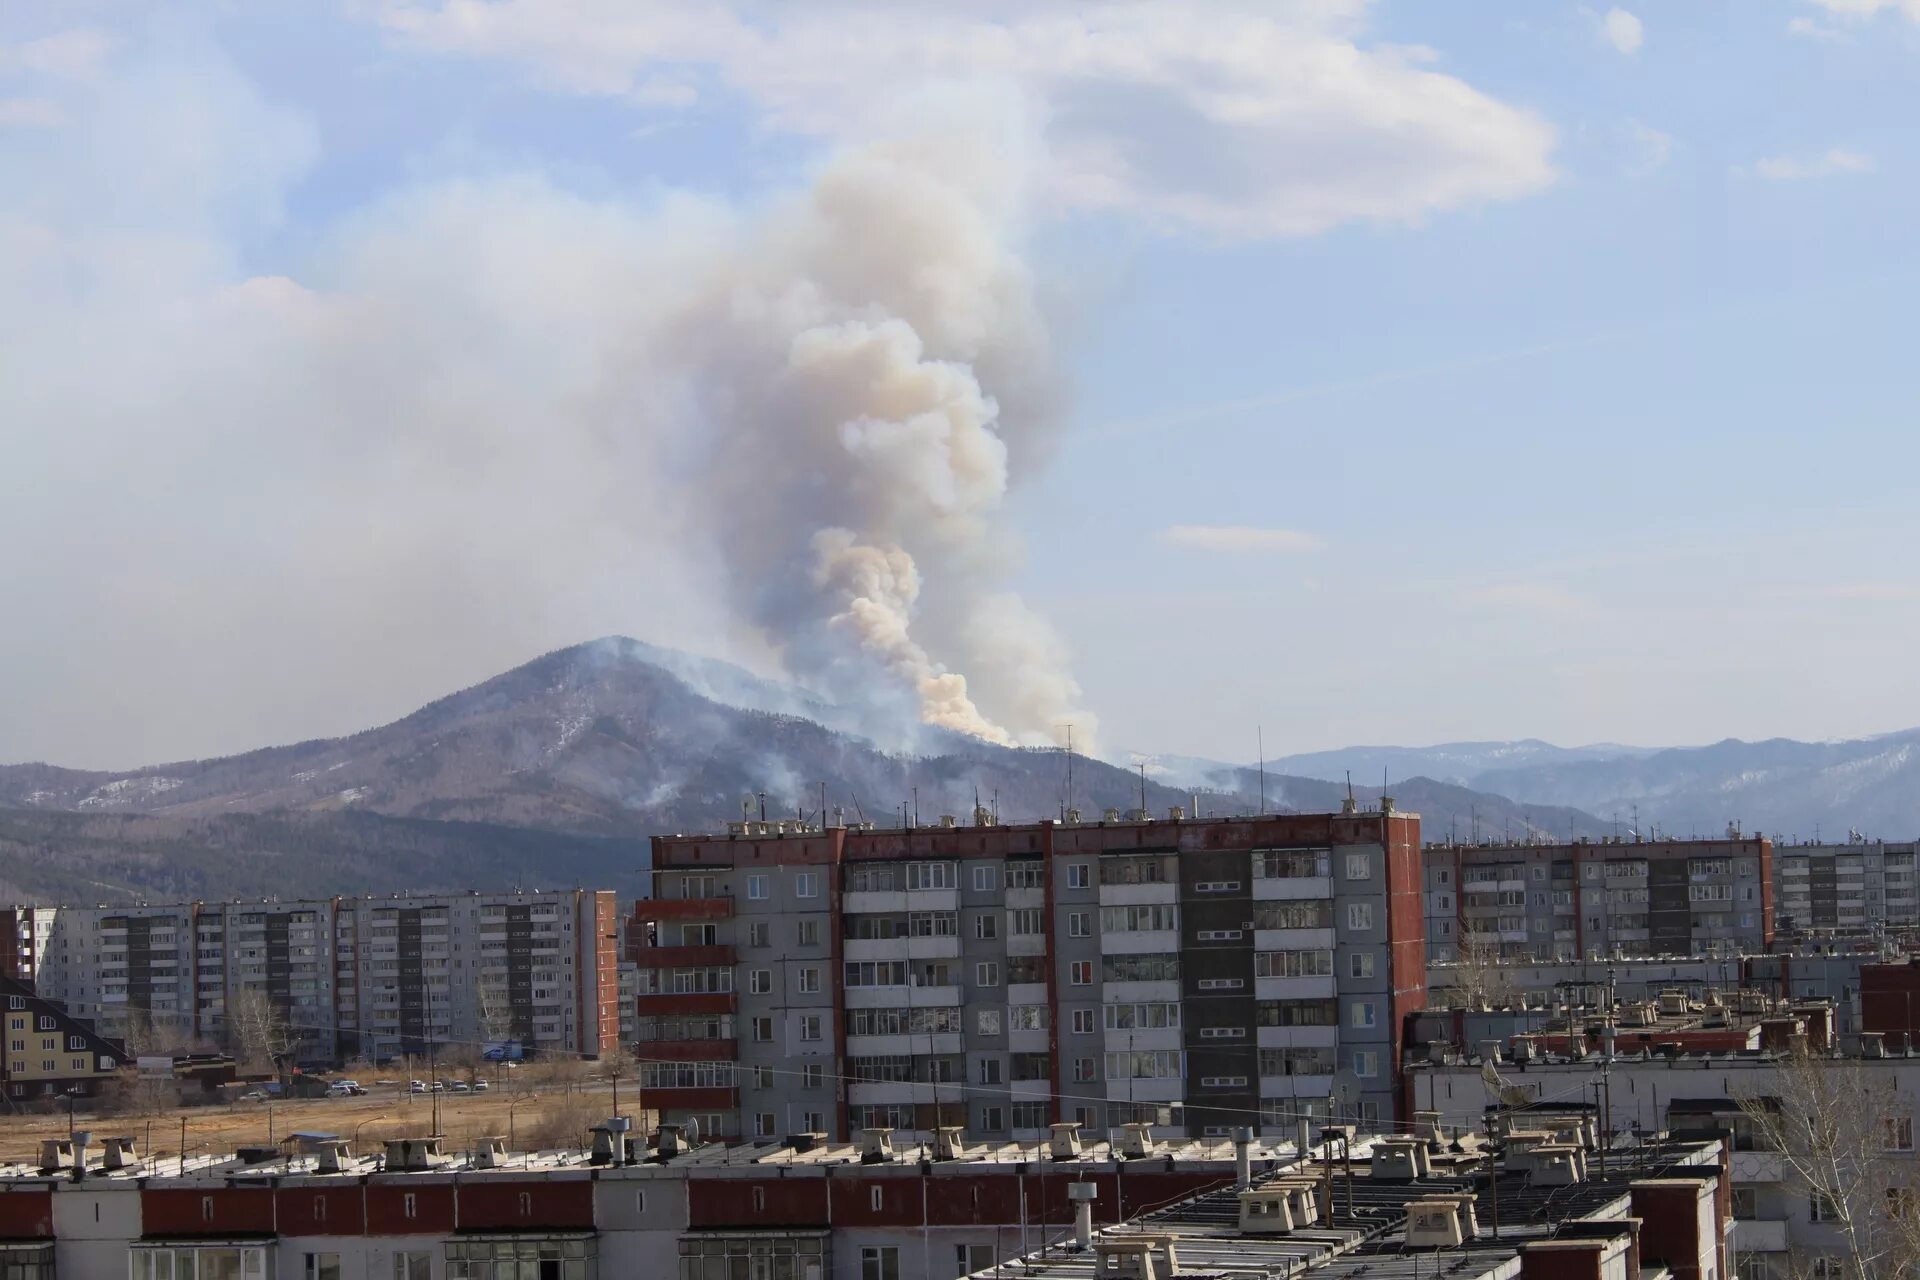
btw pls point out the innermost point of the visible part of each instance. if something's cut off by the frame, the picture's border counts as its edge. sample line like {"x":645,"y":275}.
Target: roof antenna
{"x":1260,"y":736}
{"x":1067,"y":803}
{"x":1143,"y":788}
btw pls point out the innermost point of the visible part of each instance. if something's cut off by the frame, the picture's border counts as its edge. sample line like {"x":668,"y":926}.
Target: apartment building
{"x":1589,"y":900}
{"x":345,"y":977}
{"x":1193,"y":975}
{"x":23,"y":941}
{"x":1854,"y":889}
{"x":48,"y":1052}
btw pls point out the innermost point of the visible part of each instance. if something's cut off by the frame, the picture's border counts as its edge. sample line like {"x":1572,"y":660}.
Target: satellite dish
{"x":693,"y":1131}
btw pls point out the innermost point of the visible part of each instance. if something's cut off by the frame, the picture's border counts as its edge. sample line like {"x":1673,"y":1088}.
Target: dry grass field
{"x":546,"y":1113}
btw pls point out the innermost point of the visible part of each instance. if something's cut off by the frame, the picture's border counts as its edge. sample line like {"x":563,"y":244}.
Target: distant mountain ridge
{"x":611,"y":741}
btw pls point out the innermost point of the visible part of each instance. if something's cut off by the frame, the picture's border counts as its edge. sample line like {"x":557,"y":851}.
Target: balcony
{"x":1297,"y":1037}
{"x":718,"y":1098}
{"x":897,"y":901}
{"x":1136,"y":895}
{"x":905,"y":1045}
{"x":667,"y":1002}
{"x":1121,"y":1039}
{"x":1159,"y":1090}
{"x":684,"y":909}
{"x":1280,"y":888}
{"x":1319,"y":988}
{"x":1293,"y":940}
{"x":689,"y":1050}
{"x":1760,"y":1235}
{"x":1140,"y":942}
{"x":1296,"y":1086}
{"x":938,"y":947}
{"x":884,"y":1093}
{"x":715,"y":956}
{"x":902,"y":997}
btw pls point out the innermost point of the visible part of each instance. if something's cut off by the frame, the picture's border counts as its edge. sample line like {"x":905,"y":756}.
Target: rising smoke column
{"x":864,"y":364}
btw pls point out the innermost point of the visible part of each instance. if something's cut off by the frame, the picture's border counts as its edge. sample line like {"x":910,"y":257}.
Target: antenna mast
{"x":1143,"y":788}
{"x":1260,"y":736}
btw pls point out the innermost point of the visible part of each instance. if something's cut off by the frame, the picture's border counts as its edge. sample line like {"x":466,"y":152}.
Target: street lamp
{"x":355,"y":1143}
{"x":531,"y":1097}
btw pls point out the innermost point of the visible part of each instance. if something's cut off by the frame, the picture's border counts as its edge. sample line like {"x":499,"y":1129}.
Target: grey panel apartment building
{"x":1854,"y":889}
{"x":1588,"y":900}
{"x":345,"y":977}
{"x":1193,"y":974}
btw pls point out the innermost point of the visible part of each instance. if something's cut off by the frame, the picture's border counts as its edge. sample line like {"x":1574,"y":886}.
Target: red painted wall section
{"x":1669,"y":1211}
{"x":320,"y":1211}
{"x":492,"y":1204}
{"x":1890,"y":1001}
{"x":1562,"y":1260}
{"x":26,"y":1215}
{"x":409,"y":1208}
{"x":1406,"y":933}
{"x":909,"y":1200}
{"x":210,"y":1211}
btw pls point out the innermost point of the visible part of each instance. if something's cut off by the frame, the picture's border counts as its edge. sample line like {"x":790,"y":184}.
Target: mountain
{"x":1464,"y":763}
{"x":558,"y":770}
{"x":1782,"y":787}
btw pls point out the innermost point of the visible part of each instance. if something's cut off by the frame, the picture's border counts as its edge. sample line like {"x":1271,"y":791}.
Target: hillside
{"x":557,"y":771}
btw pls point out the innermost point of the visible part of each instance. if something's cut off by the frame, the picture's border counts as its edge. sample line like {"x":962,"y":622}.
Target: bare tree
{"x":1481,"y":972}
{"x":1837,"y":1128}
{"x":493,"y":1010}
{"x":257,"y":1032}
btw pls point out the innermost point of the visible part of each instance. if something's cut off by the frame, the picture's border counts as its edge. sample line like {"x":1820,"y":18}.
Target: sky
{"x":1329,"y":371}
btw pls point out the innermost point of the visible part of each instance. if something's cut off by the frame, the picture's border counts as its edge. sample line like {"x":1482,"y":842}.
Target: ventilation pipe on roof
{"x":1083,"y":1194}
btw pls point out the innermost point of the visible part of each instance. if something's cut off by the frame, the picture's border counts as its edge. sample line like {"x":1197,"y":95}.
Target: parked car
{"x":438,"y":1086}
{"x":480,"y":1086}
{"x":416,"y":1086}
{"x":255,"y":1095}
{"x":345,"y":1089}
{"x":458,"y":1086}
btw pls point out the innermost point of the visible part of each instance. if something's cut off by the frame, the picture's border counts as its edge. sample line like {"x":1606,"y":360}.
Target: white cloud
{"x":29,"y":113}
{"x":1859,"y":9}
{"x":1228,"y":119}
{"x":1809,"y":29}
{"x":1622,"y":30}
{"x":1240,"y":538}
{"x":74,"y":54}
{"x":1540,"y":598}
{"x":1872,"y":591}
{"x":1652,"y":148}
{"x":1829,"y":163}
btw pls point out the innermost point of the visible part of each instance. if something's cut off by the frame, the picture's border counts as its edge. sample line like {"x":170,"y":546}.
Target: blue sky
{"x":1362,"y":372}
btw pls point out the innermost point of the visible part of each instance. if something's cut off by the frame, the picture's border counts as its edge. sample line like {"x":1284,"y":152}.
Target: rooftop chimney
{"x":119,"y":1154}
{"x":1434,"y":1224}
{"x":948,"y":1143}
{"x":876,"y":1146}
{"x":490,"y":1152}
{"x":1136,"y":1139}
{"x":1082,"y":1195}
{"x":413,"y":1154}
{"x":1065,"y":1141}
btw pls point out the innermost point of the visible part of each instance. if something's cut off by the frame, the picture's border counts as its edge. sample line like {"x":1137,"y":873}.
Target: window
{"x":1217,"y":935}
{"x":1223,"y":1082}
{"x":409,"y":1206}
{"x":809,"y":980}
{"x":1359,"y":867}
{"x":812,"y":1075}
{"x":1083,"y":1025}
{"x":1126,"y":1017}
{"x":807,"y":933}
{"x":1144,"y":968}
{"x":930,"y":875}
{"x":1361,"y":964}
{"x":418,"y":1264}
{"x":1027,"y":1017}
{"x":969,"y":1258}
{"x":321,"y":1266}
{"x":1822,"y":1208}
{"x":1290,"y":864}
{"x":1082,"y":1070}
{"x":1139,"y":919}
{"x":1216,"y":886}
{"x":1899,"y":1135}
{"x":1361,"y":1013}
{"x":1744,"y":1205}
{"x":986,"y":925}
{"x":1025,"y":875}
{"x":763,"y":1030}
{"x":1221,"y":984}
{"x":1366,"y":1063}
{"x":1359,"y":916}
{"x":760,"y":982}
{"x":763,"y":1077}
{"x":989,"y":1071}
{"x":1076,"y":875}
{"x":757,"y":888}
{"x":987,"y":1022}
{"x":759,"y":934}
{"x":1025,"y":920}
{"x":1080,"y":973}
{"x":810,"y":1026}
{"x":879,"y":1262}
{"x":1079,"y":924}
{"x":1223,"y":1033}
{"x":983,"y":878}
{"x":986,"y":974}
{"x":992,"y":1120}
{"x":806,"y":884}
